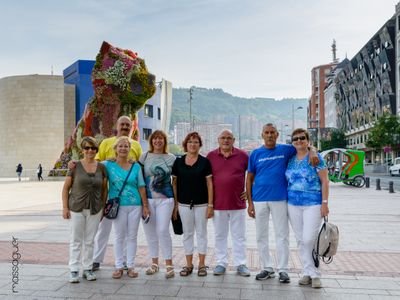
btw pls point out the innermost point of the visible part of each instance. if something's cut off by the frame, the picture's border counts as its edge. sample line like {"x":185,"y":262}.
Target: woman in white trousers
{"x":308,"y":189}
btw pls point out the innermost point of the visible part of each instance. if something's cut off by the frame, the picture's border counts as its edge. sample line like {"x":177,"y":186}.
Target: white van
{"x":395,"y":168}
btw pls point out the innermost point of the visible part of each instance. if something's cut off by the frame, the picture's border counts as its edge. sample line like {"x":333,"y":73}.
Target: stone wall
{"x":33,"y":111}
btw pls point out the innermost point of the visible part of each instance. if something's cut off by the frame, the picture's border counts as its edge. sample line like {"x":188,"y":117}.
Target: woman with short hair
{"x":83,"y":196}
{"x":193,"y":190}
{"x":308,"y":189}
{"x":133,"y":205}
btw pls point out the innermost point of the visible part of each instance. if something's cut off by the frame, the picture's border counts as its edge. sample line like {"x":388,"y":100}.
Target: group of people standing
{"x":156,"y":186}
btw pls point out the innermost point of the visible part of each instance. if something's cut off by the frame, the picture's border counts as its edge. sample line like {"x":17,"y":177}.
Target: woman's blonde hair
{"x":119,"y":140}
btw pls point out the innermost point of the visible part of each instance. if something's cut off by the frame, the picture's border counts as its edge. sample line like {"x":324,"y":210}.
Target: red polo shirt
{"x":228,"y":178}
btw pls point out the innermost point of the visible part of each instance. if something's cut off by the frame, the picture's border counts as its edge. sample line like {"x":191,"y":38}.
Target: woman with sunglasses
{"x":308,"y":189}
{"x":83,"y":196}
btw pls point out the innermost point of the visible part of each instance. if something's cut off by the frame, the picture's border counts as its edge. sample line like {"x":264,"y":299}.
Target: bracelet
{"x":324,"y":201}
{"x":210,"y":205}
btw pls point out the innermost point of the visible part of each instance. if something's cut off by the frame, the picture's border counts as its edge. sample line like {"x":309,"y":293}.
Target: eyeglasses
{"x":301,"y":138}
{"x":90,"y":148}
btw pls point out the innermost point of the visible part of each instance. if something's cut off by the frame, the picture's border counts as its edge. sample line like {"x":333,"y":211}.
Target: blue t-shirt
{"x":116,"y":177}
{"x":304,"y":185}
{"x":268,"y":167}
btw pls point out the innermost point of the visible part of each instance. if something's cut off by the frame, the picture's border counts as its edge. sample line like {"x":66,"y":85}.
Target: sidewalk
{"x":366,"y":267}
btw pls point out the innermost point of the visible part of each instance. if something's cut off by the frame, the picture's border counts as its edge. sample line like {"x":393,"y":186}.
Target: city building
{"x":320,"y":76}
{"x":366,"y":89}
{"x":37,"y":114}
{"x":209,"y":133}
{"x":155,"y":114}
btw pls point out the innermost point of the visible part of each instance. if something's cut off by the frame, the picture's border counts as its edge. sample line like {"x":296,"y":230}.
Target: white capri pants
{"x":157,"y":229}
{"x":194,"y":221}
{"x":306,"y":222}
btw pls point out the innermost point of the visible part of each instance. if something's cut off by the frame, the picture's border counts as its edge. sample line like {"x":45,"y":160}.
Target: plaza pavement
{"x":367,"y":265}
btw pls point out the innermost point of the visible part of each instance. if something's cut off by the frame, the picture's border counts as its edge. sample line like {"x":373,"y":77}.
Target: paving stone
{"x":147,"y":290}
{"x":271,"y":294}
{"x":356,"y":291}
{"x":335,"y":296}
{"x":369,"y":284}
{"x":213,"y":293}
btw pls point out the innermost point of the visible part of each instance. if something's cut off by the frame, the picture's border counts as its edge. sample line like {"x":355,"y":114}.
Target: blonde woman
{"x":83,"y":196}
{"x":157,"y":163}
{"x":133,"y":205}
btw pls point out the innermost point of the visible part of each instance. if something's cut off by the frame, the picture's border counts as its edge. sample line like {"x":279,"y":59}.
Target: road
{"x":384,"y":178}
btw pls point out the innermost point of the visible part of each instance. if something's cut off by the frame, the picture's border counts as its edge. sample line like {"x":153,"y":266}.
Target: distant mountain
{"x":215,"y":105}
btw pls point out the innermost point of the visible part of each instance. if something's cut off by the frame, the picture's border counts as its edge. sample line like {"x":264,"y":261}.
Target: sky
{"x":253,"y":48}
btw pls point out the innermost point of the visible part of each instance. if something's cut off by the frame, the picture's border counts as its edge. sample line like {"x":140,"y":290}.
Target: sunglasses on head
{"x":301,"y":138}
{"x":90,"y":147}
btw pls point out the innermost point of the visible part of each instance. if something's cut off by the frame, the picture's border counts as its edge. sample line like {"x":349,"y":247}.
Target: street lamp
{"x":190,"y":108}
{"x":293,"y":110}
{"x":283,"y":130}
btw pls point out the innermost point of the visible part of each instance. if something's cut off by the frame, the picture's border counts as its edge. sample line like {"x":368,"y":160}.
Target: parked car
{"x":395,"y":167}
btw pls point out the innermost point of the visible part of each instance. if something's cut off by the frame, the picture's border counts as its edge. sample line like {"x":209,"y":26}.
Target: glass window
{"x":148,"y":110}
{"x":146,"y":133}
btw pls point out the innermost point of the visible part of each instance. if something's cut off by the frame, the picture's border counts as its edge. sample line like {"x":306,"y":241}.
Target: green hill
{"x":215,"y":105}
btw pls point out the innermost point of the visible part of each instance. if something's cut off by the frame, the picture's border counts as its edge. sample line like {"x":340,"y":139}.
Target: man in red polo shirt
{"x":229,"y":165}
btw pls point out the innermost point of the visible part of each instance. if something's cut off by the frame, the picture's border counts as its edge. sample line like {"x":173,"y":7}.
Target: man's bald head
{"x":124,"y":126}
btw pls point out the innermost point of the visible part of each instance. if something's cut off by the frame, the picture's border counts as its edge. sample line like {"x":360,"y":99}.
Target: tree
{"x":338,"y":140}
{"x":175,"y":149}
{"x":386,"y":132}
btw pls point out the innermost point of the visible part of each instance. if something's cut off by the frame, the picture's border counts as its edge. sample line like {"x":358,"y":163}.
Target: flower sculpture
{"x":122,"y":85}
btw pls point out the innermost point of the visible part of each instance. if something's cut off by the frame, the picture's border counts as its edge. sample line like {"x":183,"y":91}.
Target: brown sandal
{"x":186,"y":271}
{"x":117,"y":274}
{"x":202,"y":271}
{"x":132,"y":273}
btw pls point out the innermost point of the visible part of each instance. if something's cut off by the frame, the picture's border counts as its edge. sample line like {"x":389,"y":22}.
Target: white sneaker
{"x":89,"y":275}
{"x":316,"y":283}
{"x":305,"y":280}
{"x":74,"y":277}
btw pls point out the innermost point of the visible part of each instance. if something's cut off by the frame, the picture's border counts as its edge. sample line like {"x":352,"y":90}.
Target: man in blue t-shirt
{"x":266,"y":187}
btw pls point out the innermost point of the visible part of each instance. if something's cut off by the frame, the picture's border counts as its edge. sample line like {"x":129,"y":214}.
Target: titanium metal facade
{"x":366,"y":85}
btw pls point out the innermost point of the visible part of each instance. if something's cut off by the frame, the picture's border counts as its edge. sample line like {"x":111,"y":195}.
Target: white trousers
{"x":306,"y":222}
{"x":279,"y":212}
{"x":194,"y":221}
{"x":126,"y":227}
{"x":83,"y":227}
{"x":101,"y":240}
{"x":236,"y":220}
{"x":157,"y":229}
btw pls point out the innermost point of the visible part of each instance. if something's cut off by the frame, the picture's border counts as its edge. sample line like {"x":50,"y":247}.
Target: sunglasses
{"x":90,"y":148}
{"x":301,"y":138}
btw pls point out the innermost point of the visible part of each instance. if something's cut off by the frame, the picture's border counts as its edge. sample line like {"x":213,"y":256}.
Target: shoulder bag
{"x":112,"y":205}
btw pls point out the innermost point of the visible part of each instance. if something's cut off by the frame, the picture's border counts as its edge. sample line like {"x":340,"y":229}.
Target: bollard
{"x":391,"y":189}
{"x":367,"y":182}
{"x":378,"y":184}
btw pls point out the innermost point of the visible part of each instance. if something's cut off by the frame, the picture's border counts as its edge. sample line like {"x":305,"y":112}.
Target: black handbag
{"x":177,"y":225}
{"x":112,"y":205}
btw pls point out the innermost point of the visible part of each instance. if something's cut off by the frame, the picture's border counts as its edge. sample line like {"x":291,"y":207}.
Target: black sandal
{"x":186,"y":271}
{"x":202,"y":271}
